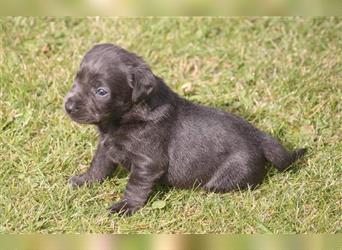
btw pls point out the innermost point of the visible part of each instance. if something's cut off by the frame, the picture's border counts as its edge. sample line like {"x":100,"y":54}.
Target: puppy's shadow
{"x":121,"y":173}
{"x":160,"y":192}
{"x":298,"y":165}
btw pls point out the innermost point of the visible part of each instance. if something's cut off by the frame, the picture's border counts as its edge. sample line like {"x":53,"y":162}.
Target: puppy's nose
{"x":70,"y":106}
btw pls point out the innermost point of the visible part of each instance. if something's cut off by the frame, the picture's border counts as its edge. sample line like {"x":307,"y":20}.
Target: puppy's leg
{"x":138,"y":189}
{"x":237,"y":172}
{"x":101,"y":167}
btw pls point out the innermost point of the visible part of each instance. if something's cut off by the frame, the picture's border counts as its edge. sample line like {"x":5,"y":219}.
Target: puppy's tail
{"x":278,"y":155}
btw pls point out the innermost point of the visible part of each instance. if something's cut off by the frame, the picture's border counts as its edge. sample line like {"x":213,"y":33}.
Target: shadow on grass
{"x":121,"y":173}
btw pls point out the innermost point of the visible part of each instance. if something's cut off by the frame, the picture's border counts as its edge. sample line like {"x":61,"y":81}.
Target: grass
{"x":282,"y":74}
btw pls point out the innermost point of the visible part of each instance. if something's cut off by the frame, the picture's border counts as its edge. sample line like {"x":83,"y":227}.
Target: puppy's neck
{"x":107,"y":126}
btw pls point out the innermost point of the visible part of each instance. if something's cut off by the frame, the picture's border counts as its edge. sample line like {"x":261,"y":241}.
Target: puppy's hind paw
{"x":123,"y":208}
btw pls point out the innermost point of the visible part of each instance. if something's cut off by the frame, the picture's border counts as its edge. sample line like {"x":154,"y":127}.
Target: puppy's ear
{"x":142,"y":82}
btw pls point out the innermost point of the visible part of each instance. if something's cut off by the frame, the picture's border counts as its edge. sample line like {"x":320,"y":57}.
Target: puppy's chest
{"x":125,"y":148}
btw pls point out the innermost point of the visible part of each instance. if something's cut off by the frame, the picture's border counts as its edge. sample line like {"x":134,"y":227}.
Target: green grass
{"x":282,"y":74}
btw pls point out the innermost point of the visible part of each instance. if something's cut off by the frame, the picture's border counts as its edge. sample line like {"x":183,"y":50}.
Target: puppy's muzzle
{"x":70,"y":106}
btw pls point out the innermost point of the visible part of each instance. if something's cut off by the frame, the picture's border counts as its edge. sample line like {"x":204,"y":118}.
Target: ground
{"x":284,"y":75}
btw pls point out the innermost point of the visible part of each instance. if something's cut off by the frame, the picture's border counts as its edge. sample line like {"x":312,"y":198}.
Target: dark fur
{"x":159,"y":136}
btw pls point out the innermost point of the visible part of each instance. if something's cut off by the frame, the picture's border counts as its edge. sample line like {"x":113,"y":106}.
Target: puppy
{"x":160,"y":137}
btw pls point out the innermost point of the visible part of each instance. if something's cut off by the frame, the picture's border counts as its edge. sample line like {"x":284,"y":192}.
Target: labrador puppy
{"x":160,"y":137}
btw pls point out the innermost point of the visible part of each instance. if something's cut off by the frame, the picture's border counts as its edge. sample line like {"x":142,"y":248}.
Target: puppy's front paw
{"x":123,"y":208}
{"x":78,"y":180}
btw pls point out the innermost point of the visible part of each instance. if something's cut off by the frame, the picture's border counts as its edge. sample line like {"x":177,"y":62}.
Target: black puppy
{"x":159,"y":136}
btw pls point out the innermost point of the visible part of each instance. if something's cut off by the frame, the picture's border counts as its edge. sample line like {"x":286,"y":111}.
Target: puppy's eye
{"x":101,"y":92}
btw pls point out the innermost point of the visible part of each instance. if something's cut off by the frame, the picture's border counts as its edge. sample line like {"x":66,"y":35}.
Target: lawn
{"x":284,"y":75}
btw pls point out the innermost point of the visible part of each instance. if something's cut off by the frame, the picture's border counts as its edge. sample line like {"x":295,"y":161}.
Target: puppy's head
{"x":109,"y":82}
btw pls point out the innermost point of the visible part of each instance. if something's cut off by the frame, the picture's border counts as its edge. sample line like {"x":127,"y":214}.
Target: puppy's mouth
{"x":83,"y":119}
{"x":79,"y":114}
{"x":83,"y":114}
